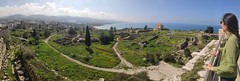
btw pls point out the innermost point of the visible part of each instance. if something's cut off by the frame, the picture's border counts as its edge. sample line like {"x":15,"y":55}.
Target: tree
{"x":83,"y":29}
{"x":115,"y":29}
{"x":39,"y":26}
{"x":5,"y":33}
{"x":105,"y":39}
{"x":36,"y":38}
{"x":47,"y":33}
{"x":145,"y":27}
{"x":209,"y":29}
{"x":87,"y":38}
{"x":153,"y":58}
{"x":34,"y":33}
{"x":205,"y":38}
{"x":149,"y":58}
{"x":187,"y":53}
{"x":22,"y":25}
{"x":111,"y":29}
{"x":110,"y":32}
{"x":185,"y":44}
{"x":166,"y":56}
{"x":71,"y":31}
{"x":26,"y":35}
{"x":27,"y":53}
{"x":80,"y":32}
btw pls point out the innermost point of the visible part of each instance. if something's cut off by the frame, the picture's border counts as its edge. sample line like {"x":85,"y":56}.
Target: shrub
{"x":105,"y":39}
{"x":187,"y":52}
{"x":152,"y":58}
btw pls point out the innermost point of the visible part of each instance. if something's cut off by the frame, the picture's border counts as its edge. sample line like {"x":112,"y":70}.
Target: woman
{"x":227,"y":70}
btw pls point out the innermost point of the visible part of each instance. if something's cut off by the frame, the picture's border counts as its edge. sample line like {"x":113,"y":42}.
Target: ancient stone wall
{"x":2,"y":51}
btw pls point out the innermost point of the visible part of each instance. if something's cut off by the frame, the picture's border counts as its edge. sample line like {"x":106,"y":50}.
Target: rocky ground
{"x":204,"y":53}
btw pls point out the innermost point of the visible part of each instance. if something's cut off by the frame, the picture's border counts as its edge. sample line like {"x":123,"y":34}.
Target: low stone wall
{"x":196,"y":55}
{"x":23,"y":66}
{"x":32,"y":75}
{"x":2,"y":51}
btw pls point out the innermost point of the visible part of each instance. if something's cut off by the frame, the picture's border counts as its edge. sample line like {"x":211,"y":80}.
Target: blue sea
{"x":171,"y":26}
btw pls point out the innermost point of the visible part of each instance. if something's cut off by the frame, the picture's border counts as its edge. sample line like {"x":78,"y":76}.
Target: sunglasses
{"x":220,"y":22}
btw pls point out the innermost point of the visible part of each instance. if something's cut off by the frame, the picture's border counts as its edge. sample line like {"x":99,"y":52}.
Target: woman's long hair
{"x":231,"y":21}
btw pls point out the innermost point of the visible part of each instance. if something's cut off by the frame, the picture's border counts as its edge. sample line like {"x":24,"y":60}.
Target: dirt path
{"x":86,"y":65}
{"x":123,"y":60}
{"x":163,"y":70}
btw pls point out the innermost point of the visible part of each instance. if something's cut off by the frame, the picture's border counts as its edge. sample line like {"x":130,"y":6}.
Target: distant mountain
{"x":60,"y":19}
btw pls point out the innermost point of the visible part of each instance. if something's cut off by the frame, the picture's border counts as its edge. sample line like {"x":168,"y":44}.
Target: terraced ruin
{"x":130,"y":55}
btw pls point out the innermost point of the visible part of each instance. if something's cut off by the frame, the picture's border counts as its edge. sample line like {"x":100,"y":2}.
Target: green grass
{"x":102,"y":56}
{"x":9,"y":71}
{"x":40,"y":69}
{"x":67,"y":68}
{"x":163,"y":45}
{"x":9,"y":68}
{"x":134,"y":56}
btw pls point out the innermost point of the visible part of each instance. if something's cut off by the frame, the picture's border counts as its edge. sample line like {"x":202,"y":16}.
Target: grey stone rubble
{"x":173,"y":78}
{"x":203,"y":72}
{"x":4,"y":56}
{"x":196,"y":55}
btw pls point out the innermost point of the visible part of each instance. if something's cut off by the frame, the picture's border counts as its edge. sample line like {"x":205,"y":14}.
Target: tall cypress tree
{"x":87,"y":38}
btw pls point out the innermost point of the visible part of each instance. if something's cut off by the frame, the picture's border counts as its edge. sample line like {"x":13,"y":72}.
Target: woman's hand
{"x":209,"y":67}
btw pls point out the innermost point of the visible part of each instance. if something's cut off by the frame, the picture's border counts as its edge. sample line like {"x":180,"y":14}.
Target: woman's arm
{"x":228,"y":64}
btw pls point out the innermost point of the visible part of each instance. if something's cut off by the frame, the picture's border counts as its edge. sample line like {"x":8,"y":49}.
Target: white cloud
{"x":53,"y":9}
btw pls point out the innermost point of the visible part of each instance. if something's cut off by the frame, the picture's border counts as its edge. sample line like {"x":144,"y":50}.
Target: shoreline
{"x":170,"y":26}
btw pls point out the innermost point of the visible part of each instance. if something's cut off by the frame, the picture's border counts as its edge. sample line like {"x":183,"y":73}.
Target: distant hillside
{"x":60,"y":19}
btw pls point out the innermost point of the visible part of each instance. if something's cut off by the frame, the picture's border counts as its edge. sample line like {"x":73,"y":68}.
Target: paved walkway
{"x":123,"y":60}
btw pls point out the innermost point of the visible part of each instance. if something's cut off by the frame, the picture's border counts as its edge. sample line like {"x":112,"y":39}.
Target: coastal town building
{"x":159,"y":26}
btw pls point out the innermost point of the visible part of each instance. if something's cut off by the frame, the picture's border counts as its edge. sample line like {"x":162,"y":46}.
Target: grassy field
{"x":41,"y":69}
{"x":137,"y":55}
{"x":48,"y":59}
{"x":102,"y":56}
{"x":65,"y":67}
{"x":165,"y":44}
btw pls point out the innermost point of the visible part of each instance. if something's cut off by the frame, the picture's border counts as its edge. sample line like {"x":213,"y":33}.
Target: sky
{"x":205,"y":12}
